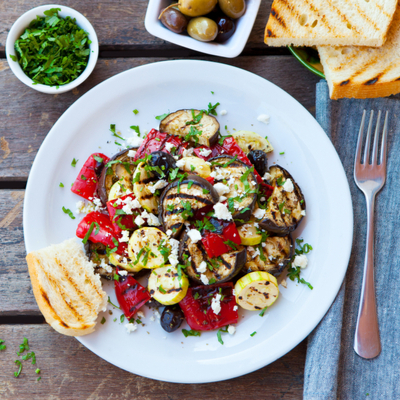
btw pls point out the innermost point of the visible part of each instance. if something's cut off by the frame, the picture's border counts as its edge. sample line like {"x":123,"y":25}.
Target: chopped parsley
{"x":220,"y":330}
{"x":88,"y":233}
{"x":53,"y":51}
{"x":294,"y":272}
{"x":196,"y":118}
{"x":103,"y":320}
{"x":263,"y":311}
{"x":187,"y":210}
{"x":17,"y":373}
{"x":212,"y":109}
{"x":68,"y":212}
{"x":280,"y":181}
{"x":136,"y":129}
{"x":122,"y":318}
{"x":135,"y":111}
{"x":61,"y":185}
{"x":193,"y":134}
{"x":191,"y":332}
{"x":252,"y":334}
{"x":73,"y":163}
{"x":161,"y":117}
{"x":161,"y":290}
{"x":98,"y":159}
{"x":281,"y":205}
{"x":282,"y":153}
{"x":2,"y":346}
{"x":110,"y":302}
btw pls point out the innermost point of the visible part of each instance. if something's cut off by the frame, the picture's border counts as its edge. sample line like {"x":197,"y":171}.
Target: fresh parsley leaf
{"x":69,"y":212}
{"x":110,"y":302}
{"x":73,"y":163}
{"x":263,"y":311}
{"x":2,"y":346}
{"x":162,"y":116}
{"x":191,"y":332}
{"x":252,"y":334}
{"x":212,"y":109}
{"x":17,"y":373}
{"x":224,"y":330}
{"x":103,"y":320}
{"x":161,"y":290}
{"x":14,"y":58}
{"x":136,"y":129}
{"x":98,"y":159}
{"x":61,"y":185}
{"x":136,"y":112}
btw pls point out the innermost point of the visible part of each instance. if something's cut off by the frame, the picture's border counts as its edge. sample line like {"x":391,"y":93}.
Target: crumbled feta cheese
{"x":169,"y":232}
{"x":235,"y":308}
{"x":194,"y":235}
{"x":223,"y":112}
{"x":104,"y":265}
{"x":84,"y":208}
{"x":288,"y":186}
{"x":159,"y":185}
{"x":152,"y":220}
{"x":173,"y":259}
{"x":303,"y":213}
{"x":231,"y":329}
{"x":263,"y":118}
{"x":152,"y":319}
{"x":204,"y":279}
{"x":263,"y":244}
{"x":174,"y":245}
{"x":222,"y":212}
{"x":131,"y":327}
{"x":187,"y":152}
{"x":122,"y":273}
{"x":259,"y":213}
{"x":253,"y":182}
{"x":169,"y":146}
{"x":267,"y":176}
{"x":231,"y":181}
{"x":233,"y":292}
{"x":205,"y":152}
{"x":98,"y":204}
{"x":124,"y":237}
{"x":221,"y":188}
{"x":222,"y":198}
{"x":202,"y":267}
{"x":262,"y":199}
{"x":140,"y":314}
{"x":256,"y":224}
{"x":130,"y":204}
{"x":134,"y":141}
{"x":131,"y":153}
{"x":157,"y":314}
{"x":139,"y":221}
{"x":181,"y":163}
{"x":216,"y":303}
{"x":300,"y":261}
{"x":217,"y":174}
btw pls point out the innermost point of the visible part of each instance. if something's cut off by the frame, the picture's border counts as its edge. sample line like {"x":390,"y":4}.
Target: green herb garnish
{"x":191,"y":332}
{"x":2,"y":346}
{"x":136,"y":112}
{"x":263,"y":311}
{"x":17,"y":374}
{"x":73,"y":163}
{"x":224,"y":330}
{"x":61,"y":185}
{"x":252,"y":334}
{"x":53,"y":51}
{"x":69,"y":212}
{"x":103,"y":320}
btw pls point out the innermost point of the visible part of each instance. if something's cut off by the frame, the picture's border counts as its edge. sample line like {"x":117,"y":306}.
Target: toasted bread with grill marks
{"x":329,"y":22}
{"x":67,"y":291}
{"x":362,"y":72}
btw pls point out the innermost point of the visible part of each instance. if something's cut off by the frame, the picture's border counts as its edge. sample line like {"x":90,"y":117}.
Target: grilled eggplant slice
{"x":143,"y":180}
{"x":174,"y":210}
{"x":277,"y":252}
{"x":224,"y":268}
{"x":242,"y":183}
{"x":260,"y":161}
{"x":117,"y":171}
{"x":96,"y":253}
{"x":176,"y":123}
{"x":287,"y":206}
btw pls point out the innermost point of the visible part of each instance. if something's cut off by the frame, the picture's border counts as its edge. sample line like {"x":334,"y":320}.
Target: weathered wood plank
{"x":28,"y":115}
{"x":71,"y":372}
{"x":119,"y":24}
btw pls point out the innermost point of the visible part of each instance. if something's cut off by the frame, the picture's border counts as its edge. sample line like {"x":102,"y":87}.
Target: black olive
{"x":260,"y":161}
{"x":226,"y":28}
{"x":171,"y":318}
{"x":165,"y":163}
{"x":152,"y":303}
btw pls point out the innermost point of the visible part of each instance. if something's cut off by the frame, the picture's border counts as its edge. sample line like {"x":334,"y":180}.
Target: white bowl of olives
{"x":216,"y":27}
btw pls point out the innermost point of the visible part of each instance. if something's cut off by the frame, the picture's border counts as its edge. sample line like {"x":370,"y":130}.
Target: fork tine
{"x":374,"y":159}
{"x":360,"y":141}
{"x":368,"y":140}
{"x":384,"y":141}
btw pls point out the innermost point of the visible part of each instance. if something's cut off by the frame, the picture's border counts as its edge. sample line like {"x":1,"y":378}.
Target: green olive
{"x":233,"y":8}
{"x":195,"y":8}
{"x":203,"y":29}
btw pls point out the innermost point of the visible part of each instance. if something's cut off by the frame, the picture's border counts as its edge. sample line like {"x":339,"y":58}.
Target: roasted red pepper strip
{"x":197,"y":307}
{"x":101,"y":231}
{"x":85,"y":184}
{"x":215,"y":244}
{"x":131,"y":295}
{"x":122,"y":221}
{"x":266,"y":190}
{"x":176,"y":142}
{"x":152,"y":142}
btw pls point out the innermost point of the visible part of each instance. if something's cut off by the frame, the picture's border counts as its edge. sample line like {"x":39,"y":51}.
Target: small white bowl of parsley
{"x":52,"y":48}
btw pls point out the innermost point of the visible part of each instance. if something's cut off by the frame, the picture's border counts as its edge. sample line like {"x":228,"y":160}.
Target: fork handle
{"x":367,"y":342}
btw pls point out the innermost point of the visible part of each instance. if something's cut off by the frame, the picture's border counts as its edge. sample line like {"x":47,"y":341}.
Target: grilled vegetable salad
{"x":201,"y":215}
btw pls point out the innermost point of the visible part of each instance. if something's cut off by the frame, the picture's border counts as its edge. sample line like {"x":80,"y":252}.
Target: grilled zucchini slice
{"x":277,"y":252}
{"x":248,"y":234}
{"x":145,"y":248}
{"x":195,"y":165}
{"x":127,"y":264}
{"x":179,"y":200}
{"x":143,"y":179}
{"x":242,"y":183}
{"x":287,"y":206}
{"x":256,"y":291}
{"x":166,"y":287}
{"x":217,"y":270}
{"x":249,"y":141}
{"x":176,"y":124}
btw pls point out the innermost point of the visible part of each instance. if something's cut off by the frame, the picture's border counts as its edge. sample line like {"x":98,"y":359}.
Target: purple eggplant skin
{"x":234,"y":261}
{"x":106,"y":181}
{"x":210,"y":198}
{"x":276,"y":222}
{"x":249,"y":204}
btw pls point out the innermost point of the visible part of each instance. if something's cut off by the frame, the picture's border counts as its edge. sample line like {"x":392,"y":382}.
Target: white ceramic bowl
{"x":230,"y":49}
{"x":18,"y":28}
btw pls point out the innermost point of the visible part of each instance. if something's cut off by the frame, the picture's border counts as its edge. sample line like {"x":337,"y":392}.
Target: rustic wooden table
{"x":69,"y":370}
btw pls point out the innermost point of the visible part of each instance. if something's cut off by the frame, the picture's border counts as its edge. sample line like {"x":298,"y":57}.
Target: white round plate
{"x":309,"y":156}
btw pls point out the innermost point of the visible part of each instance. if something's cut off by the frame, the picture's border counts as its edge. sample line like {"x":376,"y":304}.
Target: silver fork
{"x":370,"y":178}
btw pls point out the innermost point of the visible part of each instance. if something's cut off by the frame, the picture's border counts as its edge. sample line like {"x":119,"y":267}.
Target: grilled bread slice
{"x":364,"y":72}
{"x":329,"y":22}
{"x":66,"y":289}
